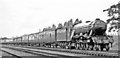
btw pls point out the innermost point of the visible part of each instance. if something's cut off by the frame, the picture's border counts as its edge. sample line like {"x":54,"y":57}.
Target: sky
{"x":19,"y":17}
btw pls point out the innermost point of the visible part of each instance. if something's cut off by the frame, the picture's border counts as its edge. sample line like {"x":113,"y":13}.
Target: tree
{"x":4,"y":38}
{"x":77,"y":22}
{"x":65,"y":24}
{"x":53,"y":26}
{"x":44,"y":29}
{"x":80,"y":21}
{"x":108,"y":20}
{"x":49,"y":28}
{"x":60,"y":26}
{"x":70,"y":23}
{"x":114,"y":10}
{"x":114,"y":14}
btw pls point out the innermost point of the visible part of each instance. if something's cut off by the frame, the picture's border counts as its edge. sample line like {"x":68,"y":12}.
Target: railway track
{"x":13,"y":55}
{"x":83,"y":52}
{"x":24,"y":53}
{"x":44,"y":54}
{"x":38,"y":54}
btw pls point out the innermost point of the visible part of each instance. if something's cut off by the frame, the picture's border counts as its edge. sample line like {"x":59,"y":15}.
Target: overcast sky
{"x":18,"y":17}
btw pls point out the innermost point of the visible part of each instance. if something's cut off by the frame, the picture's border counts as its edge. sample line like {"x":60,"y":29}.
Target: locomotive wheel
{"x":87,"y":46}
{"x":107,"y":47}
{"x":82,"y":46}
{"x":69,"y":47}
{"x":96,"y":48}
{"x":102,"y":47}
{"x":73,"y":45}
{"x":49,"y":45}
{"x":66,"y":47}
{"x":90,"y":47}
{"x":77,"y":46}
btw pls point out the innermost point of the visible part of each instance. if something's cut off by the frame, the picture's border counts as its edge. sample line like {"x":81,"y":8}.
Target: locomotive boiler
{"x":90,"y":35}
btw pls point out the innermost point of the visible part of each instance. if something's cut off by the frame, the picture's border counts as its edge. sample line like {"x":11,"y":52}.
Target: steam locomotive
{"x":91,"y":36}
{"x":85,"y":36}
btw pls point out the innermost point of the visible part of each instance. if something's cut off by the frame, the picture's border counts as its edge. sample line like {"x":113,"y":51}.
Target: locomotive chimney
{"x":97,"y":19}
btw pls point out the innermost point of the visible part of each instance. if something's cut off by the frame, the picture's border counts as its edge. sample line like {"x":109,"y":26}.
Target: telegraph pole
{"x":55,"y":37}
{"x":66,"y":34}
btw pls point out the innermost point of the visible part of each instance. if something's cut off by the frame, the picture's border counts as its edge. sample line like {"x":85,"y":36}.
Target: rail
{"x":16,"y":56}
{"x":90,"y":53}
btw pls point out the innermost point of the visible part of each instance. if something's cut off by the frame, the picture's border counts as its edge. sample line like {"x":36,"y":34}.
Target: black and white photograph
{"x":59,"y":28}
